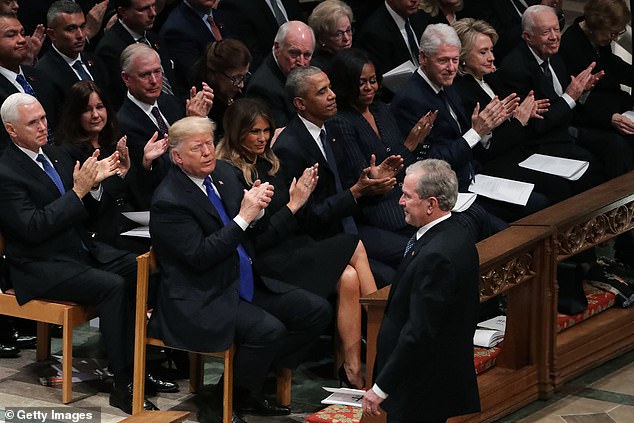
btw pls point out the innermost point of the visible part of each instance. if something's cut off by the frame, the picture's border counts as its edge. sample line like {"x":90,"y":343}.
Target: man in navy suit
{"x":189,"y":28}
{"x":424,"y":366}
{"x":16,"y":78}
{"x":293,"y":47}
{"x":390,"y":35}
{"x":211,"y":296}
{"x":537,"y":65}
{"x":46,"y":198}
{"x":305,"y":141}
{"x":147,"y":112}
{"x":256,"y":22}
{"x":66,"y":62}
{"x":136,"y":19}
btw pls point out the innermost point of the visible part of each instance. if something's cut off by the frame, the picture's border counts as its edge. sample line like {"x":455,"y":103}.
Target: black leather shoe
{"x":250,"y":404}
{"x":24,"y":341}
{"x":208,"y":414}
{"x":9,"y":351}
{"x":153,"y":384}
{"x":122,"y":399}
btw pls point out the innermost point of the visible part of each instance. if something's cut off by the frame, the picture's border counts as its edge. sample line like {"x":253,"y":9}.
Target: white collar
{"x":423,"y":229}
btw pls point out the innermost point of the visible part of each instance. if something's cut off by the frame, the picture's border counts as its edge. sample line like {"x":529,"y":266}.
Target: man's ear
{"x":299,"y":104}
{"x":125,"y":77}
{"x":10,"y":130}
{"x":176,"y":157}
{"x":526,"y":37}
{"x":51,"y":34}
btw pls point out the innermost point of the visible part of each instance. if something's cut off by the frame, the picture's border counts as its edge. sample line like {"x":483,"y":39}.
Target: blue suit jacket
{"x":446,"y":142}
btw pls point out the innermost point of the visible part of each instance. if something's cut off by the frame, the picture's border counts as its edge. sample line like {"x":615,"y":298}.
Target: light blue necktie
{"x":246,"y":269}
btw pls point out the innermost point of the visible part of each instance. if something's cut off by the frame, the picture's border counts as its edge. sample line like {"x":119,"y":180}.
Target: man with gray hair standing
{"x":293,"y":47}
{"x":431,"y":311}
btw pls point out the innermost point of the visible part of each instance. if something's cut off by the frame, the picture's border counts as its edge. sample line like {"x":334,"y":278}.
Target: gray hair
{"x":326,"y":14}
{"x":296,"y":80}
{"x":133,"y":51}
{"x":528,"y":18}
{"x":186,"y":127}
{"x":59,"y":7}
{"x":9,"y":109}
{"x":282,"y":32}
{"x":436,"y":179}
{"x":436,"y":35}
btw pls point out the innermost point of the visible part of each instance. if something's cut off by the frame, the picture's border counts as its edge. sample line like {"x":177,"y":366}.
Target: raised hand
{"x":420,"y":130}
{"x":301,"y":188}
{"x":368,"y":186}
{"x":94,"y":18}
{"x":387,"y":169}
{"x":255,"y":200}
{"x":34,"y":44}
{"x":108,"y":166}
{"x":496,"y":112}
{"x":124,"y":157}
{"x":199,"y":103}
{"x":584,"y":81}
{"x":153,"y":149}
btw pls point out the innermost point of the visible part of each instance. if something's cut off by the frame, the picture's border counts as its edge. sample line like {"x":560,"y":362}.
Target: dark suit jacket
{"x":510,"y":135}
{"x":425,"y":344}
{"x":62,"y":77}
{"x":109,"y":49}
{"x":520,"y":73}
{"x":186,"y":37}
{"x":267,"y":83}
{"x":445,"y":140}
{"x":199,"y":262}
{"x":43,"y":229}
{"x":381,"y":38}
{"x":43,"y":90}
{"x":139,"y":128}
{"x":321,"y":216}
{"x":358,"y":141}
{"x":255,"y":24}
{"x":606,"y":98}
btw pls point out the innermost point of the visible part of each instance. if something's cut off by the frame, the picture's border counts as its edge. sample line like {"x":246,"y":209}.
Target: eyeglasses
{"x":236,"y":80}
{"x":339,"y":34}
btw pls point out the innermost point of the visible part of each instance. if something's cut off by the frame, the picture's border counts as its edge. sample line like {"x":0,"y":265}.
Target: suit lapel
{"x":195,"y":194}
{"x":308,"y":143}
{"x":29,"y":167}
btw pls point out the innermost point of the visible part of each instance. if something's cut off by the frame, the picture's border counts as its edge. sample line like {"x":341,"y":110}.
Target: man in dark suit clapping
{"x":211,"y":296}
{"x":424,"y":367}
{"x":46,"y":198}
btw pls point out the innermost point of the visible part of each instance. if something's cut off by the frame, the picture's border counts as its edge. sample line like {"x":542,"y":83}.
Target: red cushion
{"x":485,"y":358}
{"x":598,"y":301}
{"x":336,"y":413}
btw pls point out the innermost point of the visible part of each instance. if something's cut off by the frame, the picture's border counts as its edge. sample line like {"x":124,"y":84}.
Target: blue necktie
{"x":410,"y":244}
{"x":83,"y":74}
{"x":28,"y":89}
{"x":25,"y":85}
{"x":347,"y":222}
{"x":51,"y":172}
{"x":246,"y":269}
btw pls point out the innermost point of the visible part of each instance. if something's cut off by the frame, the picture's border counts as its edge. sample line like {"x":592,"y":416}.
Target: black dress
{"x":285,"y":254}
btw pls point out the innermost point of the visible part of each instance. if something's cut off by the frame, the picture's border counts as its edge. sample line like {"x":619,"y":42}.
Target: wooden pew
{"x":582,"y":222}
{"x":516,"y":262}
